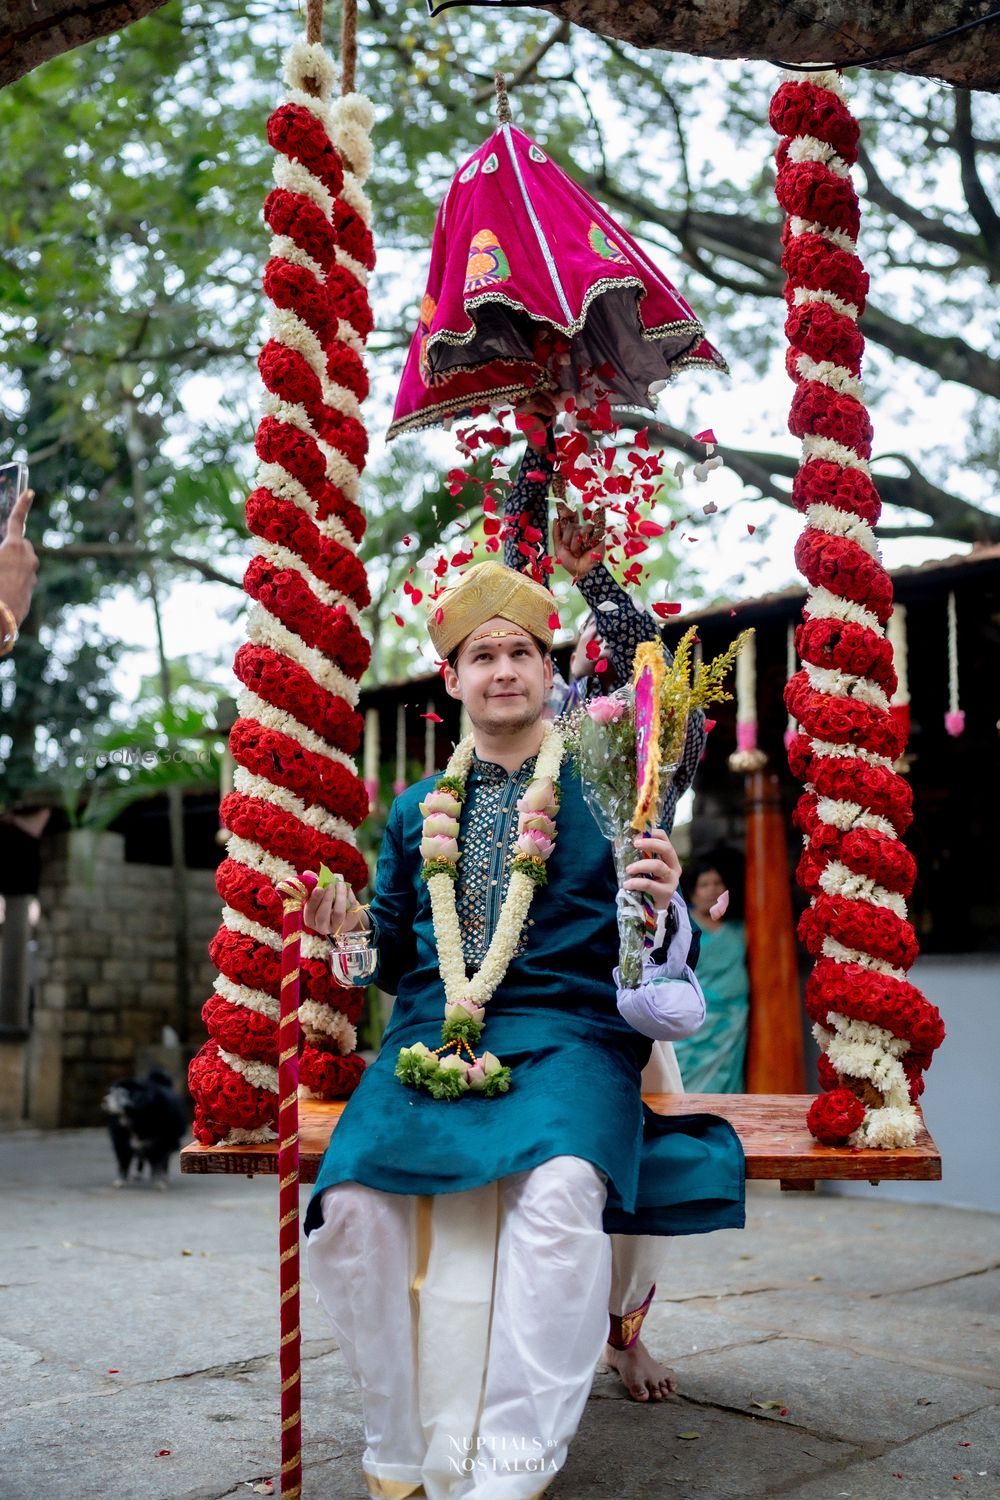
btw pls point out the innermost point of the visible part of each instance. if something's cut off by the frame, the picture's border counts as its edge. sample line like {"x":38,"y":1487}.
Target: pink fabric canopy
{"x":533,"y":286}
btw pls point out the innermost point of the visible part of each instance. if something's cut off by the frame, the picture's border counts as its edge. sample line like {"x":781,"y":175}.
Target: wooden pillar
{"x":775,"y":1062}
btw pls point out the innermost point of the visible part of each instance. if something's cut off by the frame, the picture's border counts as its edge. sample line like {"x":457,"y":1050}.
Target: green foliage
{"x":462,"y":1029}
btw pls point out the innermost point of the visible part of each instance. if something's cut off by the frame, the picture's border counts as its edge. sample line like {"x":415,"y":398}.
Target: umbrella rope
{"x":504,"y":116}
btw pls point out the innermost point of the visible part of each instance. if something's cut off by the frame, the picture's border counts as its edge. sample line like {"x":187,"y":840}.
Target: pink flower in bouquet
{"x":441,"y":802}
{"x":437,"y":825}
{"x":538,"y":823}
{"x":535,"y":843}
{"x":464,"y":1007}
{"x":476,"y":1076}
{"x":605,"y":710}
{"x":440,"y":847}
{"x":539,"y":796}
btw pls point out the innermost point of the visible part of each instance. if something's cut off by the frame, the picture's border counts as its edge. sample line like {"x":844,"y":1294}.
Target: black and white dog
{"x":146,"y":1124}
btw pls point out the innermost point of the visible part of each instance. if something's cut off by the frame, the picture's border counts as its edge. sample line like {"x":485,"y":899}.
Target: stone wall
{"x":106,"y":983}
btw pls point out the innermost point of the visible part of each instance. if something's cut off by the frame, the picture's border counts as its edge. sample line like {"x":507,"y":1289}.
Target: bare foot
{"x":643,"y":1377}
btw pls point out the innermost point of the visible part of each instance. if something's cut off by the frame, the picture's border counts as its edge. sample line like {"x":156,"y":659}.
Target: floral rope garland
{"x":876,"y":1031}
{"x":297,"y":797}
{"x":452,"y":1075}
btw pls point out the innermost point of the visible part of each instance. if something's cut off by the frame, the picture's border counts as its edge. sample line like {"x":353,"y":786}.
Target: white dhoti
{"x":472,"y":1322}
{"x":637,"y":1259}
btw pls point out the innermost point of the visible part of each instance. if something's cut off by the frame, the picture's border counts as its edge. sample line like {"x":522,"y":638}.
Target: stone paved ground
{"x":134,"y":1322}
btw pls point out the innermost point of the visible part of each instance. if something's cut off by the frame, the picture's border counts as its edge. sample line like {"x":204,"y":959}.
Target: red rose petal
{"x":163,"y":1453}
{"x":399,"y":620}
{"x":710,"y":725}
{"x":708,"y":436}
{"x":650,"y":528}
{"x":114,"y":1372}
{"x":553,"y":621}
{"x":751,"y":530}
{"x":434,"y":718}
{"x":601,"y":666}
{"x":663,"y":610}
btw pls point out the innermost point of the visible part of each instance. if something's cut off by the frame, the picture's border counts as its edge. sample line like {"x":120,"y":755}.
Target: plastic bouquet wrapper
{"x":627,"y":746}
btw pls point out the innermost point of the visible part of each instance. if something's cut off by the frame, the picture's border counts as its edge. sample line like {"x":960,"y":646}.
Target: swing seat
{"x":772,"y":1128}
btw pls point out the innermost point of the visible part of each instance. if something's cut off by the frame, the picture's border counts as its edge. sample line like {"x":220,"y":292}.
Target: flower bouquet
{"x":627,"y":746}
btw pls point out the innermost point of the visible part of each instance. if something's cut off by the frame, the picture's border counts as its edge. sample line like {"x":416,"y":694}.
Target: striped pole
{"x":294,"y":893}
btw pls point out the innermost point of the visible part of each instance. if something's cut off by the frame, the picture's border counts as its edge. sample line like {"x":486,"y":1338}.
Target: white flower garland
{"x":513,"y":913}
{"x":451,"y":1076}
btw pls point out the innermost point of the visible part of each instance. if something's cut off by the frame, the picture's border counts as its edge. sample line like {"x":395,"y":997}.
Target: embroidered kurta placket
{"x":487,"y":839}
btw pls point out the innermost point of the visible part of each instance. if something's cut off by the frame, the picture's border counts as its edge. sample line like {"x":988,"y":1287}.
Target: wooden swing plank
{"x":772,"y":1127}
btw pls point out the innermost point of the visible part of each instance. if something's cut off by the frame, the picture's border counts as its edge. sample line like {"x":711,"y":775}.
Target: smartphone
{"x":13,"y":482}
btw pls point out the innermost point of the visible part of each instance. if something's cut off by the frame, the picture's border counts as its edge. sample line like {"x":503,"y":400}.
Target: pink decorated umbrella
{"x":533,"y":286}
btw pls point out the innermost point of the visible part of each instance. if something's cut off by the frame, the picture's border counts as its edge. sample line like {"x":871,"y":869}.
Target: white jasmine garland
{"x":842,"y":523}
{"x":261,"y":1075}
{"x":283,"y":246}
{"x":822,"y":604}
{"x":295,"y":178}
{"x":244,"y":852}
{"x":466,"y":999}
{"x":827,"y":750}
{"x":804,"y":295}
{"x":328,"y":1024}
{"x":846,"y":685}
{"x":811,"y":148}
{"x":836,"y":237}
{"x":242,"y":994}
{"x":514,"y":911}
{"x":833,"y":452}
{"x":280,"y":720}
{"x":837,"y":879}
{"x":837,"y":377}
{"x":279,"y":796}
{"x":264,"y":629}
{"x":833,"y":948}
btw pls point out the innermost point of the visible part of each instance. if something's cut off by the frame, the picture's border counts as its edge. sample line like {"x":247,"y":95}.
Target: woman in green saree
{"x":712,"y":1062}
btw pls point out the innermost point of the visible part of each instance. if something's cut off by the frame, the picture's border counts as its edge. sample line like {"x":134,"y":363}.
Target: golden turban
{"x":486,"y":591}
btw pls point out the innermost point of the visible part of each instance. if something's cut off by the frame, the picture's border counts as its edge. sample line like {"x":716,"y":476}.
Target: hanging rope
{"x":348,"y":43}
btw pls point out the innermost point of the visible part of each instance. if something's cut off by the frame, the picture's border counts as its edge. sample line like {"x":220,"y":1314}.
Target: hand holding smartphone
{"x":18,"y":563}
{"x":13,"y":483}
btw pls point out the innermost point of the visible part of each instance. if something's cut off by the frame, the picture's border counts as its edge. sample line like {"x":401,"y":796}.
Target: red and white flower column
{"x":297,"y":798}
{"x":876,"y":1031}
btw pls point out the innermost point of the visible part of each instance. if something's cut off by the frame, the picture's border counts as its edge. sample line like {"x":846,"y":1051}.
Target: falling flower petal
{"x":664,"y":610}
{"x":434,"y":718}
{"x":751,"y":530}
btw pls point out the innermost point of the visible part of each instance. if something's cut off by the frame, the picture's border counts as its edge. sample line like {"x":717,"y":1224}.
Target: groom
{"x":458,"y":1245}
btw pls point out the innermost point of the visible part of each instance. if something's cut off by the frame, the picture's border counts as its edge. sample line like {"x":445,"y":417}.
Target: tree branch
{"x":969,"y":246}
{"x":559,"y":33}
{"x":840,"y":32}
{"x":757,"y":244}
{"x":131,"y":553}
{"x":36,"y":30}
{"x":949,"y":515}
{"x":976,"y":197}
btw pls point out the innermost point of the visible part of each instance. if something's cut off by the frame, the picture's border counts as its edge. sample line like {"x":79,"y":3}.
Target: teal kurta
{"x":554,"y":1020}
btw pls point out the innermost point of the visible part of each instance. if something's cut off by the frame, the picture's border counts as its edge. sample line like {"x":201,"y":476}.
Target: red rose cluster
{"x":315,"y":436}
{"x":286,"y":685}
{"x":855,"y":807}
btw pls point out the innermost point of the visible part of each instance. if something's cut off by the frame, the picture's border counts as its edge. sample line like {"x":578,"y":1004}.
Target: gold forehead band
{"x":497,"y":635}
